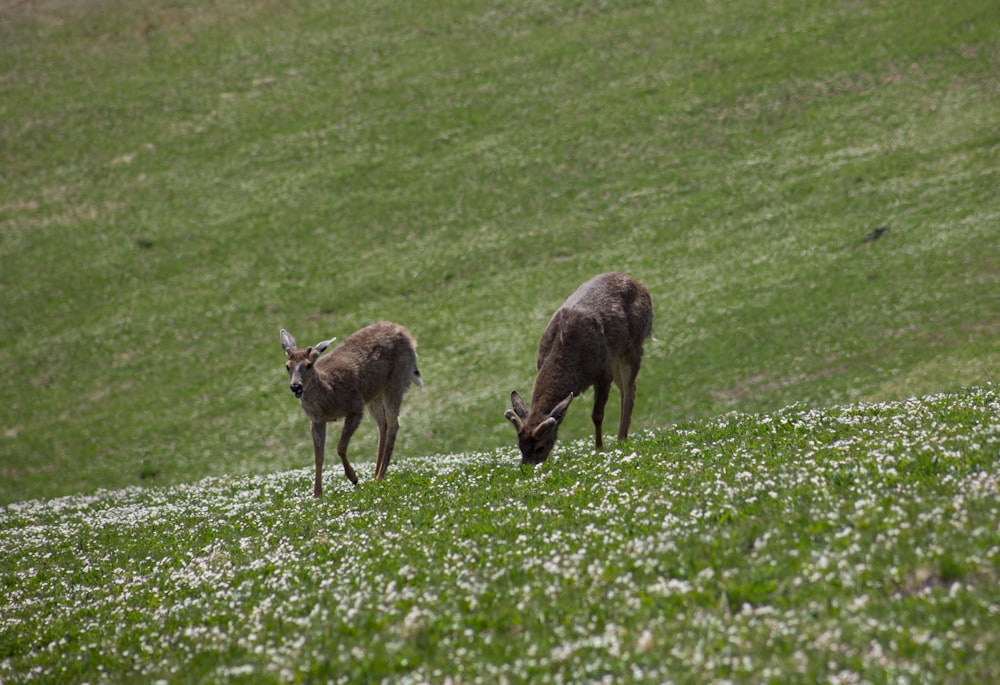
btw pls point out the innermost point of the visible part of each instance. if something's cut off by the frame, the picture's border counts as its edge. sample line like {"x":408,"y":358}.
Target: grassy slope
{"x":855,"y":544}
{"x":180,"y":180}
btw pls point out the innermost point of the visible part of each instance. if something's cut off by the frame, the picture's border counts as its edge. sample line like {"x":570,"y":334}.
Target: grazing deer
{"x":371,"y":369}
{"x":594,"y":338}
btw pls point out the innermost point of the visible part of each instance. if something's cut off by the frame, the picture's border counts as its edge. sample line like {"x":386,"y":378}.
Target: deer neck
{"x":319,"y":399}
{"x":556,"y":380}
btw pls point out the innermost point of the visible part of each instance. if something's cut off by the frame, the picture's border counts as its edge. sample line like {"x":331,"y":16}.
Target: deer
{"x":371,"y":369}
{"x":593,"y":339}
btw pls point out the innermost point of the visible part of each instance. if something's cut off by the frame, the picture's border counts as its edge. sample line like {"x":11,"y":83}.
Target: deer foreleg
{"x":601,"y":392}
{"x":351,"y":423}
{"x":627,"y":388}
{"x":319,"y":444}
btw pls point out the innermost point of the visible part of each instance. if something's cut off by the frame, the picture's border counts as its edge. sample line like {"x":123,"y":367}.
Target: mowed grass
{"x":847,"y":545}
{"x":180,"y":180}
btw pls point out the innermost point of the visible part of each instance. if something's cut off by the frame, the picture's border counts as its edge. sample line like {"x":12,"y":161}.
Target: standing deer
{"x":371,"y":369}
{"x":594,"y":338}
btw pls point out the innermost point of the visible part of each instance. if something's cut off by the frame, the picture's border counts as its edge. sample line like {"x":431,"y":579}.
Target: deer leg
{"x":626,"y":384}
{"x":351,"y":423}
{"x":377,"y":410}
{"x":389,"y":426}
{"x":601,"y":392}
{"x":319,"y":444}
{"x":392,"y":427}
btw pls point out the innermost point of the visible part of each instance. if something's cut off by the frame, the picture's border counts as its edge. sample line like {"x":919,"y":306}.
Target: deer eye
{"x":308,"y":365}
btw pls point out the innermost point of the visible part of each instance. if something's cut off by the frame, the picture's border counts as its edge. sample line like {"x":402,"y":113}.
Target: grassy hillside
{"x":855,"y":544}
{"x":179,"y":180}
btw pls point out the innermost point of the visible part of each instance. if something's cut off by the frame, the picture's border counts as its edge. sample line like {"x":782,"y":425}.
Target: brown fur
{"x":370,"y":369}
{"x":595,"y":338}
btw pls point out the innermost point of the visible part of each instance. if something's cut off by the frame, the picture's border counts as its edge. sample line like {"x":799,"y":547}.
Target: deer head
{"x":300,"y":362}
{"x":536,"y":440}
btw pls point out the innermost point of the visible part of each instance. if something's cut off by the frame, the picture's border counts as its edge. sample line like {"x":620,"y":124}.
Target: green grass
{"x":180,"y":180}
{"x":853,"y":544}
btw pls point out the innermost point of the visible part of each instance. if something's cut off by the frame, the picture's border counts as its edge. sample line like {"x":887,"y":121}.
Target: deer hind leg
{"x":625,"y":374}
{"x":351,"y":423}
{"x":388,"y":428}
{"x":377,"y":410}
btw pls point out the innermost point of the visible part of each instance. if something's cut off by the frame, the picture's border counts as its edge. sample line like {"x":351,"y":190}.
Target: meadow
{"x":809,"y":190}
{"x":857,"y":544}
{"x":182,"y":179}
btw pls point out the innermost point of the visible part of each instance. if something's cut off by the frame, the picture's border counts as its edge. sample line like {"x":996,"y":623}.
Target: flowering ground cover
{"x":854,"y":544}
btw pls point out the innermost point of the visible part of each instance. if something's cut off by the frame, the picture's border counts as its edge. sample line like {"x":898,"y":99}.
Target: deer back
{"x":621,"y":304}
{"x":378,"y":359}
{"x":609,"y":316}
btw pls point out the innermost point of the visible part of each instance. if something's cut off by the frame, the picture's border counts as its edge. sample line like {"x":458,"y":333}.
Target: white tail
{"x":594,"y":338}
{"x":370,"y":369}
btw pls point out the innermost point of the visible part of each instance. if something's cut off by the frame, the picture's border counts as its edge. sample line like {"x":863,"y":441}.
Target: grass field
{"x":849,"y":545}
{"x":809,"y":190}
{"x":182,"y":179}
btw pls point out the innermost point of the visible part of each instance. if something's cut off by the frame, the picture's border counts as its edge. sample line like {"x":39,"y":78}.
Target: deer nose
{"x":296,"y":389}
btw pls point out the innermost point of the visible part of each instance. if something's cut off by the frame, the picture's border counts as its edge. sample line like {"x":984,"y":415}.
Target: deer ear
{"x":287,"y":341}
{"x":559,"y":412}
{"x":518,"y":404}
{"x":323,"y":345}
